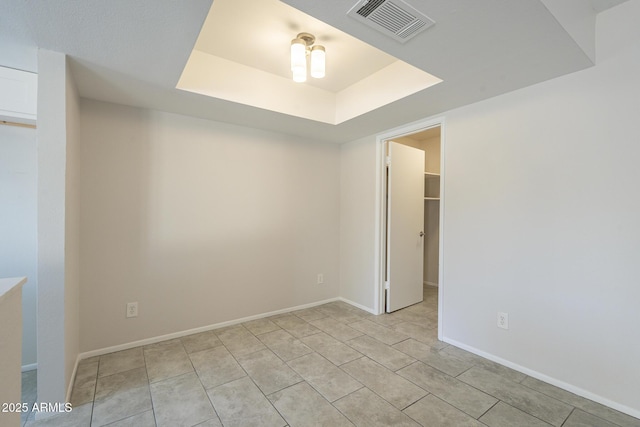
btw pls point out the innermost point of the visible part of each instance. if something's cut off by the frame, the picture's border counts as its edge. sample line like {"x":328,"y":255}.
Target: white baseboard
{"x":360,"y":306}
{"x":153,"y":340}
{"x":29,"y":367}
{"x":542,"y":377}
{"x":73,"y":379}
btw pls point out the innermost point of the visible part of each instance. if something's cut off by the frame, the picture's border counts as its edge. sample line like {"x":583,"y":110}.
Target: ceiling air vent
{"x":394,"y":18}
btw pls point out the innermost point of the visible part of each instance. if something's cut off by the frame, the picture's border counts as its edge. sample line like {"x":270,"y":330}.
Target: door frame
{"x":381,"y":210}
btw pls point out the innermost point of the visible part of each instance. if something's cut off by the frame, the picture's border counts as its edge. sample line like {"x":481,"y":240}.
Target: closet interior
{"x":429,"y":142}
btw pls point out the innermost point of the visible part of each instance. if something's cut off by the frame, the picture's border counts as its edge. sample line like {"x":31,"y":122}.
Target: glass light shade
{"x":318,"y":61}
{"x":299,"y":74}
{"x":298,"y":54}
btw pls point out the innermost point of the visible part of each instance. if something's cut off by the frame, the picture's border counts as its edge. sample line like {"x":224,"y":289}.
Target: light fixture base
{"x":309,"y":39}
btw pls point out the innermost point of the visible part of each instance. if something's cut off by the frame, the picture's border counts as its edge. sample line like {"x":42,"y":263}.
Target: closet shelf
{"x":431,"y":175}
{"x":431,"y":198}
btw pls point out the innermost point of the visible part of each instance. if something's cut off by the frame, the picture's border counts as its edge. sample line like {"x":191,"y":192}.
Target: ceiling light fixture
{"x":301,"y":47}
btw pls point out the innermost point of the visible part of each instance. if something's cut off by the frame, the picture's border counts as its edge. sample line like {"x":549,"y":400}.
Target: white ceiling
{"x":602,"y":5}
{"x":260,"y":38}
{"x":246,"y":60}
{"x":133,"y":51}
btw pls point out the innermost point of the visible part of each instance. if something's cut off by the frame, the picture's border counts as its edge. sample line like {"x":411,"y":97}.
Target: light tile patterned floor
{"x":332,"y":365}
{"x":29,"y":392}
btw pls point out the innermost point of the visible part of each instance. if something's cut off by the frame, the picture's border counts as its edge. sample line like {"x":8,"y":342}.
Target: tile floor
{"x":29,"y":392}
{"x":332,"y":365}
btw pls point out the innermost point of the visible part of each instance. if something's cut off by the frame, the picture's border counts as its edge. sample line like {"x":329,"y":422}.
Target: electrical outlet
{"x":132,"y":309}
{"x":320,"y":278}
{"x":503,"y":320}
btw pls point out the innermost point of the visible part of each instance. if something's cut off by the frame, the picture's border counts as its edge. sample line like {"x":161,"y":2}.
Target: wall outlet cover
{"x":503,"y":320}
{"x":132,"y":309}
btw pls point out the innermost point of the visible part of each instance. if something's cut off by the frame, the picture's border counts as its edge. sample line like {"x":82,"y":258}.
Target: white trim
{"x":29,"y":367}
{"x":547,"y":379}
{"x":360,"y":306}
{"x":73,"y":379}
{"x":443,"y":199}
{"x":21,"y":108}
{"x":380,"y":238}
{"x":153,"y":340}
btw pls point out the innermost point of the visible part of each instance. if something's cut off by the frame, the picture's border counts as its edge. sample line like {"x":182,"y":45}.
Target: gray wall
{"x":58,"y":251}
{"x":540,"y":221}
{"x":18,"y":223}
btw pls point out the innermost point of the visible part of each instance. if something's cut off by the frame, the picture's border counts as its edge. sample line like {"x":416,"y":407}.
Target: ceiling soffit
{"x":133,"y":53}
{"x":242,"y":55}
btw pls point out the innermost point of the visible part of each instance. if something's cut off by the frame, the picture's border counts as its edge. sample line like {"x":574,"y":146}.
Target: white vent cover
{"x":394,"y":18}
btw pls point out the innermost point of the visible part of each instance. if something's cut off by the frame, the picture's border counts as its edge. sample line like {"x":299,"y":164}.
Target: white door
{"x":405,"y":222}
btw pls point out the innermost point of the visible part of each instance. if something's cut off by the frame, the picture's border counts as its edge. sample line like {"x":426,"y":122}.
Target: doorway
{"x":19,"y":242}
{"x":428,"y":138}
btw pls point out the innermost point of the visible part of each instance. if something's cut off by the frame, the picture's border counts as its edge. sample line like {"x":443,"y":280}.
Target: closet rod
{"x":22,"y":125}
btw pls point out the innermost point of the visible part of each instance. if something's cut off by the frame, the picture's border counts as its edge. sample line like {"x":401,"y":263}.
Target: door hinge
{"x":388,"y":161}
{"x":386,"y":284}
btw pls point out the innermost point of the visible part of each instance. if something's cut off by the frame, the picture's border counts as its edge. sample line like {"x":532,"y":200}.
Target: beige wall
{"x":357,"y":218}
{"x":523,"y":235}
{"x":199,"y":222}
{"x":10,"y":346}
{"x":431,"y":147}
{"x":409,"y":141}
{"x":541,"y":222}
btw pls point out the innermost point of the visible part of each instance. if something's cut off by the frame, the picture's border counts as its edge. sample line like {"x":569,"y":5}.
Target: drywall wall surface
{"x":17,"y":55}
{"x":18,"y":224}
{"x":409,"y":141}
{"x":10,"y":346}
{"x":357,"y":222}
{"x":72,"y":229}
{"x":541,"y":222}
{"x":199,"y":222}
{"x":431,"y":147}
{"x":51,"y":225}
{"x":58,"y":227}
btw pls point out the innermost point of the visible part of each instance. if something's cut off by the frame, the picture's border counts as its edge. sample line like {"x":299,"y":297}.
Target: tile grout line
{"x":195,"y":371}
{"x":570,"y":404}
{"x":95,"y":391}
{"x":506,"y":403}
{"x":569,"y":416}
{"x":343,"y":313}
{"x":146,"y":370}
